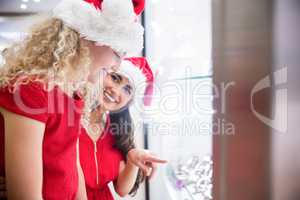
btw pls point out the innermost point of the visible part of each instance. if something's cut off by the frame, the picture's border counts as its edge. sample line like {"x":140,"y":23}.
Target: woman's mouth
{"x":109,"y":97}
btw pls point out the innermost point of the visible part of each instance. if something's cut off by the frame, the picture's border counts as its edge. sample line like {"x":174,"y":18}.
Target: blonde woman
{"x":41,"y":103}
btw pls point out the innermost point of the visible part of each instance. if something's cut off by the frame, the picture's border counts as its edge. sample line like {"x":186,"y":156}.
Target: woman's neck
{"x":97,"y":114}
{"x":97,"y":123}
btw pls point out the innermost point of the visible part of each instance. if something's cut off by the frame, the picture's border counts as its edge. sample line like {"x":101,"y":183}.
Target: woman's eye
{"x":115,"y":77}
{"x":128,"y":89}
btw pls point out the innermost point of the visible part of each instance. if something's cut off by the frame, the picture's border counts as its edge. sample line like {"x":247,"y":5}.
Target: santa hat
{"x":107,"y":22}
{"x":140,"y":74}
{"x":138,"y":5}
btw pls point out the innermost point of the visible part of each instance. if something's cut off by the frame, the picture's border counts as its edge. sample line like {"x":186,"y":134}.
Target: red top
{"x":57,"y":111}
{"x":100,"y":163}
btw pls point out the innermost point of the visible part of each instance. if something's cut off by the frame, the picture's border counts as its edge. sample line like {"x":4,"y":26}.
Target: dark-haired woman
{"x":107,"y":149}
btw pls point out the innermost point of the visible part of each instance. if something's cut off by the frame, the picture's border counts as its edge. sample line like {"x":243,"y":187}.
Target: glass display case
{"x":179,"y":123}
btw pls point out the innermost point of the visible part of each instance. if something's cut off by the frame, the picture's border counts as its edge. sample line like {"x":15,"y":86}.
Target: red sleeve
{"x":28,"y":100}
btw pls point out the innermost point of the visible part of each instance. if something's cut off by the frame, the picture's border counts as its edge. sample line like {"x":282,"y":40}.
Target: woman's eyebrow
{"x":119,"y":76}
{"x":114,"y":68}
{"x":117,"y":55}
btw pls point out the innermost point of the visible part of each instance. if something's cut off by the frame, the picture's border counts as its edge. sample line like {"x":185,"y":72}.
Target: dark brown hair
{"x":123,"y":130}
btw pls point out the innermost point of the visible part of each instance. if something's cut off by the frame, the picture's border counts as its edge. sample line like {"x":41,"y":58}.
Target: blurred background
{"x":227,"y":101}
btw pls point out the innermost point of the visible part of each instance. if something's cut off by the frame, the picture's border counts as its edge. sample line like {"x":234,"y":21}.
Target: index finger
{"x":154,"y":159}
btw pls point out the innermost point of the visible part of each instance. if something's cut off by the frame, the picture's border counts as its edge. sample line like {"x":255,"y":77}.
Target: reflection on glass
{"x":178,"y":46}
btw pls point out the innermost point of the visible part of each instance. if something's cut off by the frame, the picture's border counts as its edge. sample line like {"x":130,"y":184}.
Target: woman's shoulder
{"x":27,"y":99}
{"x":24,"y":85}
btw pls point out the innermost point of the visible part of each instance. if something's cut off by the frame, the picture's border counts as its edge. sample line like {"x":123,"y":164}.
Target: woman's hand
{"x":2,"y":188}
{"x":136,"y":159}
{"x":145,"y":160}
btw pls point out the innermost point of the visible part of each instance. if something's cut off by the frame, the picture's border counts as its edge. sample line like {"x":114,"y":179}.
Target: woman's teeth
{"x":110,"y":98}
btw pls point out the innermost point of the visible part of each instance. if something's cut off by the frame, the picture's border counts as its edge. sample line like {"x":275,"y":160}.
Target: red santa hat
{"x":107,"y":22}
{"x":140,"y":74}
{"x":138,"y":5}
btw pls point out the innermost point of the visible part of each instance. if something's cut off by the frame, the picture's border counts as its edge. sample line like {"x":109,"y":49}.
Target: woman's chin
{"x":108,"y":106}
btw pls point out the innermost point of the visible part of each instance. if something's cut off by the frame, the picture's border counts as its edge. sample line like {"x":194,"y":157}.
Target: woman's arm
{"x":126,"y":179}
{"x":23,"y":156}
{"x":137,"y":159}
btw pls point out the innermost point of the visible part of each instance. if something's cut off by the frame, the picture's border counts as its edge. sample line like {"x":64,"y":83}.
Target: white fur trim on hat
{"x":133,"y":73}
{"x":138,"y":81}
{"x":114,"y":25}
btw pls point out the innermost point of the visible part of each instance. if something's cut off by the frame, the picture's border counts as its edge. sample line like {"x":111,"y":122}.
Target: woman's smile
{"x":109,"y":97}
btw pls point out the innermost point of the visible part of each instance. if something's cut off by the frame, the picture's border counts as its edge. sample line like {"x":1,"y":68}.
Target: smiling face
{"x":117,"y":91}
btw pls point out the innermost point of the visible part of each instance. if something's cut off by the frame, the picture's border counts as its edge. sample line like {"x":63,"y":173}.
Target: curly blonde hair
{"x":52,"y":52}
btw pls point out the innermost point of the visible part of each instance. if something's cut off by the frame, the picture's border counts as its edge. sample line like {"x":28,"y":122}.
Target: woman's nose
{"x":116,"y":92}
